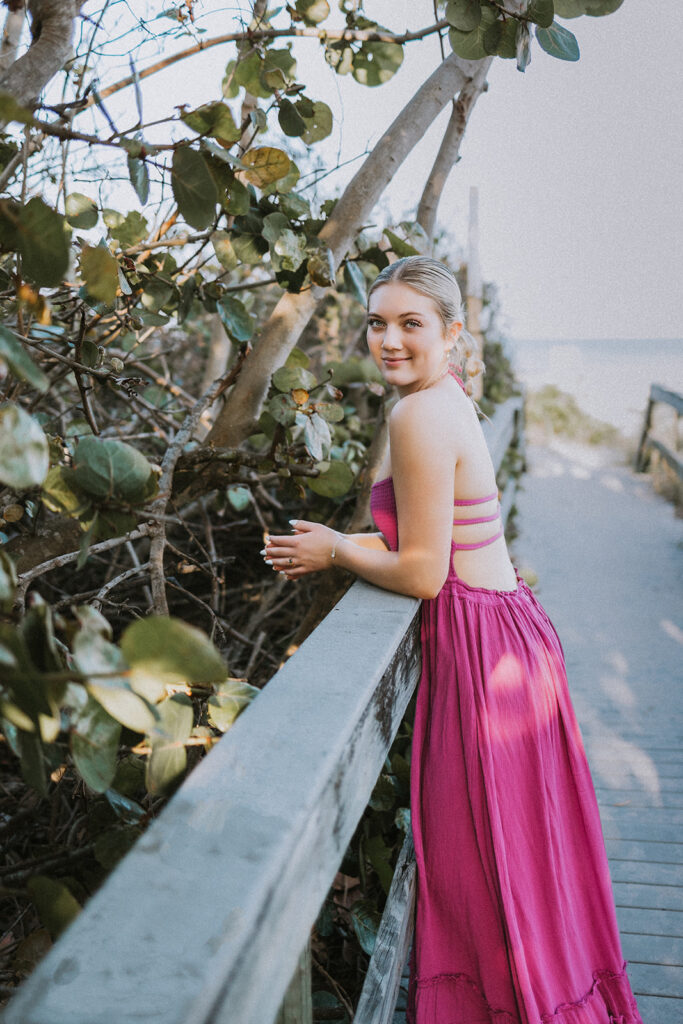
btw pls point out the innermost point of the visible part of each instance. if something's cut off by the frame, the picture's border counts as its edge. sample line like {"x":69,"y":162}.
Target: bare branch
{"x":449,"y":150}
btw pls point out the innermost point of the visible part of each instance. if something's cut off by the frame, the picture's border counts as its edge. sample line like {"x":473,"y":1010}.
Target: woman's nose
{"x":392,"y":338}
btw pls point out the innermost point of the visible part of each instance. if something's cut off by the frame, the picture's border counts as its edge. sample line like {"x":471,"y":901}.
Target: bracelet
{"x":333,"y":555}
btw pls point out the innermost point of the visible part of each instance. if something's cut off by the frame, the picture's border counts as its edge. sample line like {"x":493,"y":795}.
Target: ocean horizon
{"x":609,"y":378}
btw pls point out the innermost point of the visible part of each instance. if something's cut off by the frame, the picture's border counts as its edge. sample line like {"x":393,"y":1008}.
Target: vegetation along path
{"x":608,"y":553}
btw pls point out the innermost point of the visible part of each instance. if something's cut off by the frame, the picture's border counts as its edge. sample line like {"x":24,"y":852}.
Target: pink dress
{"x":515,"y":920}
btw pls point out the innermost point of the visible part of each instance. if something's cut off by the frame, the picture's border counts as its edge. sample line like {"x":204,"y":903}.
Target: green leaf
{"x":168,"y":758}
{"x":214,"y":119}
{"x":297,"y":357}
{"x":100,"y":272}
{"x":111,"y":469}
{"x":56,"y":905}
{"x":558,"y":42}
{"x":222,"y":246}
{"x":542,"y":12}
{"x":235,"y":318}
{"x":19,"y":362}
{"x":24,"y":453}
{"x":229,"y":87}
{"x":111,"y":846}
{"x":129,"y":811}
{"x":232,"y":698}
{"x":193,"y":187}
{"x":42,"y":242}
{"x":317,"y":436}
{"x":376,"y":63}
{"x":331,"y":411}
{"x":507,"y":41}
{"x":128,"y":230}
{"x":365,"y":919}
{"x":291,"y":122}
{"x":354,"y":279}
{"x":399,"y":245}
{"x":94,"y":744}
{"x":282,"y":409}
{"x":168,"y":651}
{"x":139,"y":177}
{"x":278,"y":70}
{"x":470,"y":45}
{"x":318,"y":124}
{"x":273,"y":226}
{"x":523,"y":46}
{"x":237,"y":202}
{"x":288,"y":378}
{"x":334,"y":482}
{"x":32,"y":761}
{"x":463,"y":15}
{"x":593,"y":8}
{"x":81,"y":211}
{"x":239,"y":497}
{"x":248,"y":74}
{"x":312,"y":11}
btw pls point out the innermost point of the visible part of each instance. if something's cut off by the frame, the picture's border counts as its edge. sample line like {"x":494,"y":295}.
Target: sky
{"x":578,"y":165}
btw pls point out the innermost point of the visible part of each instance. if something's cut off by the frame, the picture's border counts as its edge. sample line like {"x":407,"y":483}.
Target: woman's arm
{"x":366,"y":540}
{"x":423,"y":464}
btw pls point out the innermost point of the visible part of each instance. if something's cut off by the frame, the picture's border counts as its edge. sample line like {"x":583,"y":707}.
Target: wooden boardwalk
{"x":608,"y":553}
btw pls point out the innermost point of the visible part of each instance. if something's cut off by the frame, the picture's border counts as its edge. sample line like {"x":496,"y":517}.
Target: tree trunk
{"x":52,"y":23}
{"x":449,"y":150}
{"x":290,"y":316}
{"x":11,"y":35}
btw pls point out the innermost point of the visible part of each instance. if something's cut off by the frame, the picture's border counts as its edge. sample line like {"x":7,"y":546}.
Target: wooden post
{"x":473,"y":301}
{"x":297,"y":1006}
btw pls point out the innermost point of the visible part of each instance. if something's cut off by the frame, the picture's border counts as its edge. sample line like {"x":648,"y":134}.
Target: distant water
{"x":610,"y":379}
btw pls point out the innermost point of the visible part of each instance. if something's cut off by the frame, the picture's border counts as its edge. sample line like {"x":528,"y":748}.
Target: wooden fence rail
{"x":649,"y":443}
{"x":207,"y":920}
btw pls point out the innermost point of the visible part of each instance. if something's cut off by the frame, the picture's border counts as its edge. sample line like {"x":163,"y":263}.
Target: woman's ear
{"x":454,"y":331}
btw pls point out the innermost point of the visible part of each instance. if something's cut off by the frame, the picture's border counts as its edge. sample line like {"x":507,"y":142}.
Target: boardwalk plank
{"x":648,"y":921}
{"x":635,"y":894}
{"x":632,"y":849}
{"x":656,"y":1010}
{"x":638,"y":798}
{"x":656,"y":980}
{"x":645,"y":871}
{"x":652,"y":949}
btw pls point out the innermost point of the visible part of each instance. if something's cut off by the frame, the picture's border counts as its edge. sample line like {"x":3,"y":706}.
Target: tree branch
{"x":11,"y":35}
{"x":358,"y":35}
{"x":52,"y":24}
{"x":450,"y":147}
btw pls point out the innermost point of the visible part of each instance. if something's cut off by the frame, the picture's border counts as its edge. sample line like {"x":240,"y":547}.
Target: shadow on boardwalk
{"x":608,"y":553}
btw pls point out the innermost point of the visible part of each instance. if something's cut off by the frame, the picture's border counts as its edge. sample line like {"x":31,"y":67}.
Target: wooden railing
{"x":207,"y":920}
{"x":649,"y":442}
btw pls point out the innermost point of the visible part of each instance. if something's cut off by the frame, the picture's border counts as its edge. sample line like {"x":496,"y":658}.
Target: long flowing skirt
{"x":515,"y":919}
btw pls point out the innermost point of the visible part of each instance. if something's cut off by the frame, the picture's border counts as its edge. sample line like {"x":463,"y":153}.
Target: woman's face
{"x":406,"y":336}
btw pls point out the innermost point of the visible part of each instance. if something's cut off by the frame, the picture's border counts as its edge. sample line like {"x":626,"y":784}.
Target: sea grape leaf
{"x":94,"y":745}
{"x":100,"y":272}
{"x":56,"y":905}
{"x":334,"y":482}
{"x":168,"y":651}
{"x":20,"y":363}
{"x":24,"y":452}
{"x":235,"y":318}
{"x":463,"y":15}
{"x":265,"y":164}
{"x":168,"y":757}
{"x":81,"y":211}
{"x":558,"y":42}
{"x":109,"y":468}
{"x":193,"y":187}
{"x":231,"y":699}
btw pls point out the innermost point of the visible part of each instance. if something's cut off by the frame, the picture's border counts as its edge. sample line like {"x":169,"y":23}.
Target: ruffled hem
{"x":610,"y":993}
{"x":453,"y":999}
{"x":457,"y":999}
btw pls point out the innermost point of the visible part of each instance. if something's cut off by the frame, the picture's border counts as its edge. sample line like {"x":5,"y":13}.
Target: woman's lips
{"x":391,"y":360}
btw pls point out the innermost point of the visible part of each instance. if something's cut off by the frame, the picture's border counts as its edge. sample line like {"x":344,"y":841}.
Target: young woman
{"x":515,"y":919}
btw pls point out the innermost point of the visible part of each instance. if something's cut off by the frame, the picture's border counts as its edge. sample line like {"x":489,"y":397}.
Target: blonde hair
{"x":433,"y":279}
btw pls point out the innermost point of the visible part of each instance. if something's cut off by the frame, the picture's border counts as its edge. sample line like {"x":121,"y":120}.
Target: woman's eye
{"x":374,"y":323}
{"x":413,"y":323}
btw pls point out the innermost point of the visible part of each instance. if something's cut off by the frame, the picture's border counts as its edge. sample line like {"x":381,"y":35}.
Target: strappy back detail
{"x":478,"y":519}
{"x":380,"y":503}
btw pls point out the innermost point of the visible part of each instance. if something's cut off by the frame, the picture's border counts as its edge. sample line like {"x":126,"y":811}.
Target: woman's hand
{"x":309,"y":549}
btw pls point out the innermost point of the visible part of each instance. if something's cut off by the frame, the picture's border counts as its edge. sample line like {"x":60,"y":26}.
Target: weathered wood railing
{"x":207,"y":920}
{"x":649,"y":442}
